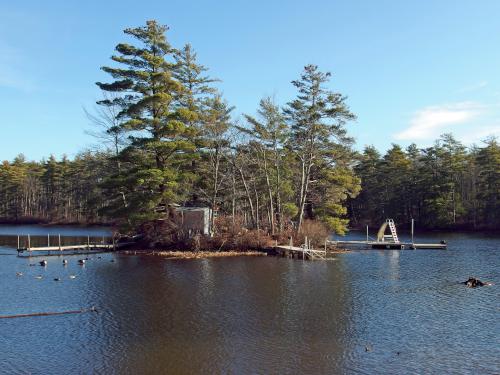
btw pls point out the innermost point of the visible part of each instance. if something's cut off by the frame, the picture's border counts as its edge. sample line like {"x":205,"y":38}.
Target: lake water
{"x":367,"y":312}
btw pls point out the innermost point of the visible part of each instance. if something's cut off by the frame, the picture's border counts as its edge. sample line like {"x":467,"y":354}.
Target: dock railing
{"x":56,"y":242}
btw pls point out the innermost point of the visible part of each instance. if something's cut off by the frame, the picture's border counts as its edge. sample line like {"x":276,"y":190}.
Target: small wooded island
{"x":170,"y":146}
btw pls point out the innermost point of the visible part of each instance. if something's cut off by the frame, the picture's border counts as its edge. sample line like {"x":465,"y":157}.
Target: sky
{"x":411,"y":70}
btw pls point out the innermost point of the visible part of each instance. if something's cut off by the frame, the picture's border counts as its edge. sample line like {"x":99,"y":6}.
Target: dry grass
{"x":338,"y":251}
{"x":192,"y":254}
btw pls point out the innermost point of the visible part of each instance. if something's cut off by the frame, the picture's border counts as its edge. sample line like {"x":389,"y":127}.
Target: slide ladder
{"x":392,"y":227}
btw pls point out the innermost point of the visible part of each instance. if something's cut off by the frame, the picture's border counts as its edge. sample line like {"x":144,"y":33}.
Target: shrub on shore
{"x":230,"y":235}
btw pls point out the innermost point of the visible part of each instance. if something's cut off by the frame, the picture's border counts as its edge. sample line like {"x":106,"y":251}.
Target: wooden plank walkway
{"x":89,"y":246}
{"x":64,"y":248}
{"x":300,"y":252}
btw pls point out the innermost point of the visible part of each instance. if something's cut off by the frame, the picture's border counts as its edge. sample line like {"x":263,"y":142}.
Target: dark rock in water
{"x":57,"y":279}
{"x":81,"y":261}
{"x":65,"y":262}
{"x":43,"y":263}
{"x":473,"y":282}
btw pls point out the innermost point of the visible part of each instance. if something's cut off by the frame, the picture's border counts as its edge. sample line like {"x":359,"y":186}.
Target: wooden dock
{"x":301,"y":252}
{"x":66,"y":248}
{"x":388,"y":245}
{"x":60,"y":248}
{"x":74,"y":249}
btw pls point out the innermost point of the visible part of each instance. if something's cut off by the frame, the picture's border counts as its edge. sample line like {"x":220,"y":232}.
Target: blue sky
{"x":411,"y":70}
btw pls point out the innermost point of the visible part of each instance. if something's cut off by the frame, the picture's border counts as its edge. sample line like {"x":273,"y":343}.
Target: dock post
{"x":306,"y":246}
{"x":367,"y":234}
{"x":29,"y":242}
{"x":59,"y":237}
{"x":18,"y":242}
{"x":48,"y":240}
{"x":412,"y":227}
{"x":88,"y":242}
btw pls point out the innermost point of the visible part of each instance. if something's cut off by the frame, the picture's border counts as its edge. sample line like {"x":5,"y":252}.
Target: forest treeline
{"x":168,"y":137}
{"x":444,"y":186}
{"x":447,"y":185}
{"x":53,"y":191}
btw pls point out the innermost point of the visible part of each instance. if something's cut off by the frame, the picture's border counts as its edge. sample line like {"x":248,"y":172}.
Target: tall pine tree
{"x":317,"y":117}
{"x":156,"y":121}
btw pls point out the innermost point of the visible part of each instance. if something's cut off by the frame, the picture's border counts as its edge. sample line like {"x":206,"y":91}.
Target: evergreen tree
{"x":444,"y":166}
{"x":197,"y":86}
{"x":317,"y":117}
{"x":200,"y":99}
{"x":367,"y":205}
{"x":161,"y":142}
{"x":394,"y":169}
{"x":488,"y":160}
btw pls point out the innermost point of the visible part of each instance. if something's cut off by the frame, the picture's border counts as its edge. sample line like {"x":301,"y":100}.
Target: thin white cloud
{"x":480,"y":133}
{"x":430,"y":122}
{"x":474,"y":87}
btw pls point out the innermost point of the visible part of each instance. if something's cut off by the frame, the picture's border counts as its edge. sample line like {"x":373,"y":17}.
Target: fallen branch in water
{"x":92,"y":309}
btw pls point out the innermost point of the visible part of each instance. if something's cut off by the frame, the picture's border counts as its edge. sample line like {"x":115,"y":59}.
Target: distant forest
{"x":443,"y":186}
{"x":167,"y":137}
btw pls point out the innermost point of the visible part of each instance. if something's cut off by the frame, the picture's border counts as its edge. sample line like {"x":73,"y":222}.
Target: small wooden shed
{"x":194,"y":219}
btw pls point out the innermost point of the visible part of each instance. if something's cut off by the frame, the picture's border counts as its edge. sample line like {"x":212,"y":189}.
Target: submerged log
{"x":474,"y":283}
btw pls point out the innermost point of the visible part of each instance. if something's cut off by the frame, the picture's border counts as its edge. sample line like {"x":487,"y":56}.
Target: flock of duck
{"x":44,"y":263}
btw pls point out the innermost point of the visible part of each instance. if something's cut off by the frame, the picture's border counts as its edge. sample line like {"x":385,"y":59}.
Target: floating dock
{"x":389,"y":241}
{"x":389,"y":245}
{"x":384,"y":242}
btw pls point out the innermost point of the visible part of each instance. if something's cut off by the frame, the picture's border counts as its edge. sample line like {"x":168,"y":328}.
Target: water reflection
{"x":219,"y":316}
{"x":256,"y":315}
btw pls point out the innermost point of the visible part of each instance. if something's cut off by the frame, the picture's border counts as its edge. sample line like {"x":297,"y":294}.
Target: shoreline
{"x":46,"y":222}
{"x":171,"y":254}
{"x":180,"y":254}
{"x":111,"y":225}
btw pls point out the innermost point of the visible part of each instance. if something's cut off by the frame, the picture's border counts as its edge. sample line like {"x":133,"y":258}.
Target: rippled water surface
{"x":368,"y":312}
